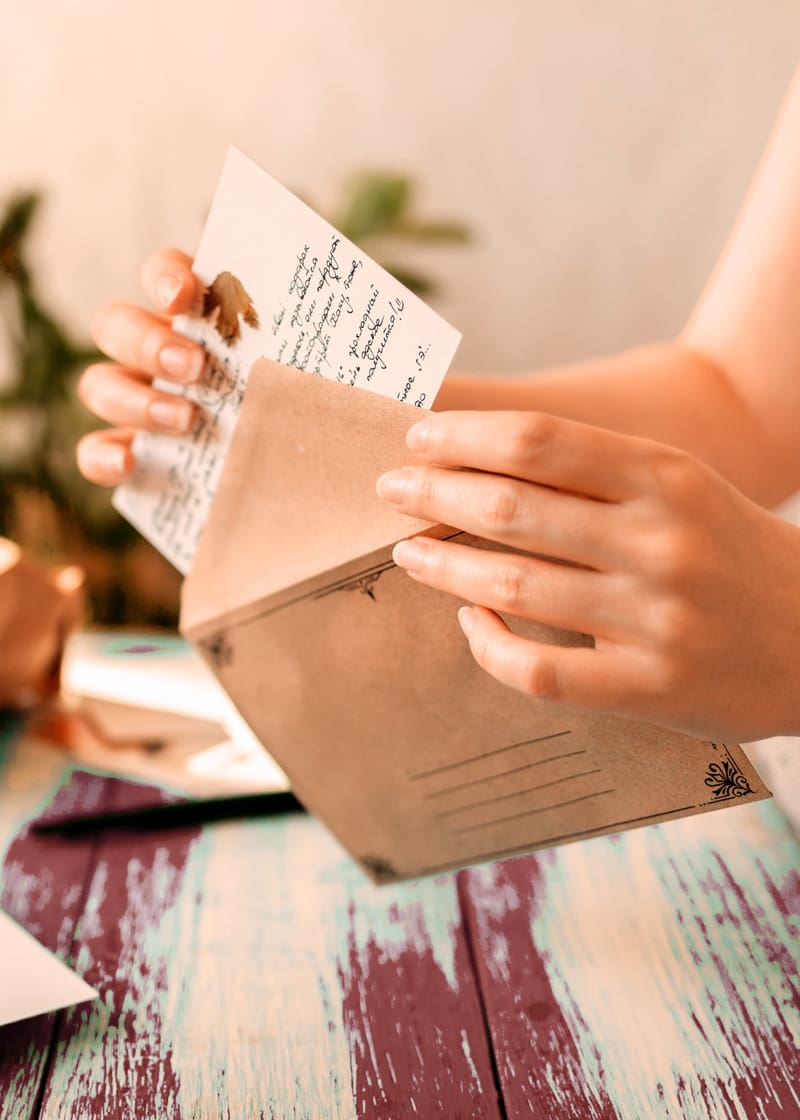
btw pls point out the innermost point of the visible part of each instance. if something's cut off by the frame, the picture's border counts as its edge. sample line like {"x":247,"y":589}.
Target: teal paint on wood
{"x":115,"y":1059}
{"x":276,"y":948}
{"x":668,"y":967}
{"x":267,"y":976}
{"x":253,"y":971}
{"x":43,"y":889}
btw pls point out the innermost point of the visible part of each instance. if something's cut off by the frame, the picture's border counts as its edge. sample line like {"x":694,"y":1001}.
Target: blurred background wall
{"x":597,"y":151}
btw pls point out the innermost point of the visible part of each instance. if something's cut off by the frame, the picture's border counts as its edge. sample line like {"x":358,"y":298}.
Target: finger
{"x":567,"y":674}
{"x":142,"y":341}
{"x":520,"y":514}
{"x":539,"y":448}
{"x":70,"y":582}
{"x":106,"y":458}
{"x":169,"y":282}
{"x":525,"y":586}
{"x":122,"y":397}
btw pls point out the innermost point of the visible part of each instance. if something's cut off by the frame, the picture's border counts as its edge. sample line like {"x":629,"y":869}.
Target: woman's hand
{"x":38,"y":608}
{"x":142,"y":346}
{"x":690,"y":590}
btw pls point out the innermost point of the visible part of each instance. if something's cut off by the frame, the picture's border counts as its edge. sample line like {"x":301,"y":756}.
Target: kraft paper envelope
{"x":359,"y":681}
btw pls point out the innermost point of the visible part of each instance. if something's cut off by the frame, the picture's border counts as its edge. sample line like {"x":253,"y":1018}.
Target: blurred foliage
{"x":376,"y":214}
{"x":45,"y":504}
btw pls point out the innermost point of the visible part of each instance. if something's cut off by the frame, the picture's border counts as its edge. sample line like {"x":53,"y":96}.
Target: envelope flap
{"x":297,"y":493}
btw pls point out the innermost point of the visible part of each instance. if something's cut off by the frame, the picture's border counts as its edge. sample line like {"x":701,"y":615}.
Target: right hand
{"x":142,"y":346}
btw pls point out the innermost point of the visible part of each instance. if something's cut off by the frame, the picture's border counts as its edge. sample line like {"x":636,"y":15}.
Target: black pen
{"x":173,"y":814}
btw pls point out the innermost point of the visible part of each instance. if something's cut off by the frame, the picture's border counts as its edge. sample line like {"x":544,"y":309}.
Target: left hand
{"x":142,"y":347}
{"x":690,"y":590}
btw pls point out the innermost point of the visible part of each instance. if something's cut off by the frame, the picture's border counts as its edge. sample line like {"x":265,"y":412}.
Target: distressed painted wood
{"x":253,"y":971}
{"x":293,"y":989}
{"x":42,"y":887}
{"x":653,"y":975}
{"x":249,"y":970}
{"x":46,"y":885}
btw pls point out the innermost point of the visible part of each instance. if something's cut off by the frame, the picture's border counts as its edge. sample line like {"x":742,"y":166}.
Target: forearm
{"x":665,"y":392}
{"x":728,"y":389}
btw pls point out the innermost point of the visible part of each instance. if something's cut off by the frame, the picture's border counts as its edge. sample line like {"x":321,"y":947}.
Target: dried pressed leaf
{"x":225,"y":300}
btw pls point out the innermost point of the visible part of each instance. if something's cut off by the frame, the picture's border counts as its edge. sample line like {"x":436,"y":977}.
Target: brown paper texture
{"x":359,"y":681}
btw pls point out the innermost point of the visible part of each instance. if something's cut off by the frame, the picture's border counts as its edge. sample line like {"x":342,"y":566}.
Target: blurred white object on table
{"x":778,"y":762}
{"x":145,"y":705}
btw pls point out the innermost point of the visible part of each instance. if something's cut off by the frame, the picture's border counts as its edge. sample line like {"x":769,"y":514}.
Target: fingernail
{"x":466,"y":618}
{"x":418,"y":436}
{"x":167,"y":290}
{"x":410,"y":554}
{"x":174,"y":415}
{"x":393,"y":486}
{"x":182,"y":362}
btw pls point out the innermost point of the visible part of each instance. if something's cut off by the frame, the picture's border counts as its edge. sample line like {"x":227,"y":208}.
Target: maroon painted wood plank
{"x":135,"y":878}
{"x":414,"y":1022}
{"x":399,"y":1003}
{"x":651,"y":975}
{"x":43,"y":888}
{"x":539,"y":1064}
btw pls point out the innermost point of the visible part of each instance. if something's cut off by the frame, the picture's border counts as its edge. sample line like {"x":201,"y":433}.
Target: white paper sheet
{"x":32,"y":980}
{"x":285,"y":285}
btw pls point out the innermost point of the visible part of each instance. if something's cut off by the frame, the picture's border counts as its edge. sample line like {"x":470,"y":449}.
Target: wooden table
{"x":248,"y":969}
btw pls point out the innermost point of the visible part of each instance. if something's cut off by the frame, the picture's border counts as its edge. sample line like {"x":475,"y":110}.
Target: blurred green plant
{"x":377,"y":214}
{"x":45,"y":504}
{"x":38,"y":403}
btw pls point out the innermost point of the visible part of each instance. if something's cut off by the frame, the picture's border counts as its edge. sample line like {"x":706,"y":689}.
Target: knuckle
{"x":501,"y":507}
{"x":672,"y":553}
{"x":151,"y":342}
{"x":672,"y":623}
{"x":531,"y":435}
{"x":425,"y":489}
{"x":435,"y":564}
{"x":482,"y":650}
{"x":667,"y":677}
{"x":102,"y":393}
{"x":509,"y":586}
{"x":674,"y":475}
{"x":538,"y":675}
